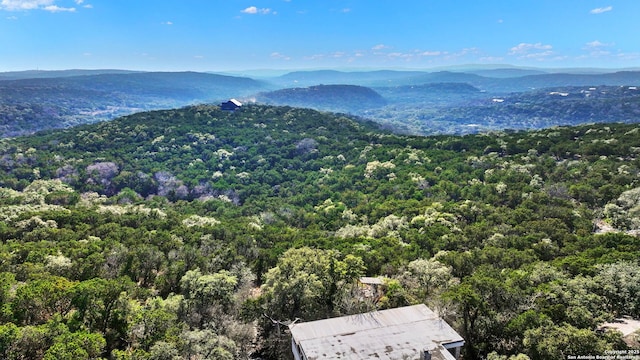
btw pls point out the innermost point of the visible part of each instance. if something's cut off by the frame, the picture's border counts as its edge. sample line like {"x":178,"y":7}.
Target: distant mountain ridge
{"x":453,"y":100}
{"x":41,"y":74}
{"x":334,"y":77}
{"x":32,"y":104}
{"x":338,"y":98}
{"x":498,"y":80}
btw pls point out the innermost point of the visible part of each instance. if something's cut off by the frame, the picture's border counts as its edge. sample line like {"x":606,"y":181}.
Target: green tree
{"x":102,"y":306}
{"x":619,"y":286}
{"x":206,"y":296}
{"x":37,"y":301}
{"x":206,"y":344}
{"x":307,"y":283}
{"x":557,"y":342}
{"x":79,"y":345}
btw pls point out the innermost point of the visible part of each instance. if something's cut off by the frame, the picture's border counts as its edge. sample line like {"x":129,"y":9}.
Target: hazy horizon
{"x":268,"y":72}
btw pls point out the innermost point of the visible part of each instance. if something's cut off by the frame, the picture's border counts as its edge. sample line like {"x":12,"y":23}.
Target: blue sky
{"x":225,"y":35}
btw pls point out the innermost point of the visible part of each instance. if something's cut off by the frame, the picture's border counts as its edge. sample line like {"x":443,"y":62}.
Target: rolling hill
{"x":337,"y":98}
{"x":33,"y":104}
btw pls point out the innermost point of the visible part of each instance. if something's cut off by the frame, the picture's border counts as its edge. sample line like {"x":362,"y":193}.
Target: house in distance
{"x":231,"y":105}
{"x":410,"y":332}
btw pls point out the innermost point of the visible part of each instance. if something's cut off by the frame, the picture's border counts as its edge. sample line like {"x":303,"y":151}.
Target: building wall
{"x":296,"y":351}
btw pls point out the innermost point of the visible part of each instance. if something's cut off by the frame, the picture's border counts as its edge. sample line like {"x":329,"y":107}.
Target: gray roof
{"x":388,"y":334}
{"x":371,"y":280}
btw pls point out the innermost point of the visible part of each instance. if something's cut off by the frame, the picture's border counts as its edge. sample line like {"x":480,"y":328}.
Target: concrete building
{"x":411,"y":332}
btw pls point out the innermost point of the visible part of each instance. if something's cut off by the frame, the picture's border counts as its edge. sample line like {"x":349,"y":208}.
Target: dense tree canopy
{"x":197,"y":233}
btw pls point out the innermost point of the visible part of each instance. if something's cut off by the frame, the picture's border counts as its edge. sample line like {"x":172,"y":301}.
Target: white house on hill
{"x":411,"y":332}
{"x":232,"y":104}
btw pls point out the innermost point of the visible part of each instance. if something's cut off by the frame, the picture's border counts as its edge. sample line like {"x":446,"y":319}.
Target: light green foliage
{"x":201,"y":221}
{"x":395,"y":295}
{"x":624,"y":213}
{"x":307,"y":283}
{"x":619,"y":286}
{"x":33,"y":198}
{"x":155,"y":321}
{"x":435,"y":215}
{"x":376,"y":167}
{"x":207,"y":289}
{"x":495,"y":356}
{"x":389,"y":226}
{"x":558,"y":342}
{"x":80,"y":345}
{"x":38,"y":301}
{"x":162,"y":350}
{"x":428,"y":277}
{"x":205,"y":344}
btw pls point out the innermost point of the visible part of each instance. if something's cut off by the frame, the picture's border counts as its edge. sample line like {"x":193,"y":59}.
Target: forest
{"x":190,"y":233}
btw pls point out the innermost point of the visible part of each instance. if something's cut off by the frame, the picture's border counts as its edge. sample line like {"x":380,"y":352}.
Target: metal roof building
{"x":412,"y":332}
{"x":232,"y":104}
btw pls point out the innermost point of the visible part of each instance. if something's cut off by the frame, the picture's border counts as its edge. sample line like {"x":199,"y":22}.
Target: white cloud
{"x":536,"y":51}
{"x":167,"y":23}
{"x":345,"y":10}
{"x":12,"y":18}
{"x":315,"y":57}
{"x":379,"y":47}
{"x":531,"y":51}
{"x":56,"y":8}
{"x":252,"y":10}
{"x":628,"y":56}
{"x":277,"y":55}
{"x":596,"y":44}
{"x":431,"y":53}
{"x":597,"y":48}
{"x":13,"y":5}
{"x":86,"y":6}
{"x":525,"y":48}
{"x":601,"y":10}
{"x":400,"y":55}
{"x":46,"y":5}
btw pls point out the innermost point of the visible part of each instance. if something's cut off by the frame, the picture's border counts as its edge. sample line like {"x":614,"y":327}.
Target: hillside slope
{"x":29,"y":105}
